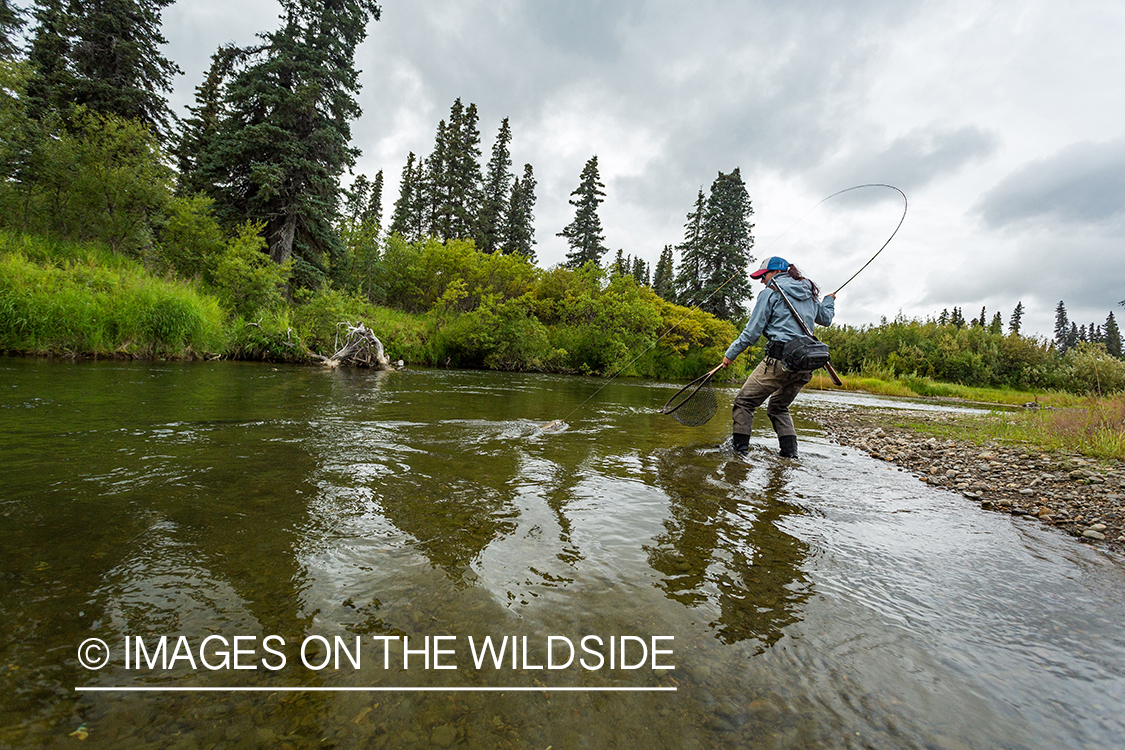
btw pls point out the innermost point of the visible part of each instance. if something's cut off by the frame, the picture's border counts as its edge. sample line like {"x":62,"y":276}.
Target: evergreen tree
{"x":11,"y":23}
{"x":197,"y":133}
{"x":49,"y":88}
{"x":1062,"y":328}
{"x":1112,"y":336}
{"x":639,"y":271}
{"x":434,"y":184}
{"x":983,"y":320}
{"x":619,"y":263}
{"x":997,"y":325}
{"x":956,"y":318}
{"x":1016,"y":319}
{"x":1082,"y":336}
{"x":464,"y":177}
{"x":584,"y":234}
{"x":373,"y":213}
{"x":689,"y":279}
{"x":406,"y":220}
{"x":1072,"y":338}
{"x":943,"y":319}
{"x":519,"y":225}
{"x":727,"y":247}
{"x":279,"y":154}
{"x":355,"y":199}
{"x":104,"y":55}
{"x":497,"y":189}
{"x":663,"y":282}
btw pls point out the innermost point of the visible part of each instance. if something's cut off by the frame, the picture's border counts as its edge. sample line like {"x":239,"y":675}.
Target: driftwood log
{"x":361,"y":349}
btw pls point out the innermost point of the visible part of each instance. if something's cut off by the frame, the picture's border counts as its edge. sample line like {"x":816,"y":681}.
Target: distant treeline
{"x":975,"y":355}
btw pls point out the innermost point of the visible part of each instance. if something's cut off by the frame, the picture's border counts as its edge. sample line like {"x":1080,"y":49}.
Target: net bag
{"x":695,"y":403}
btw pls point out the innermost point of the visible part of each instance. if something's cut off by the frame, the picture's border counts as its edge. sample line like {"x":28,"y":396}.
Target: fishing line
{"x":697,"y":305}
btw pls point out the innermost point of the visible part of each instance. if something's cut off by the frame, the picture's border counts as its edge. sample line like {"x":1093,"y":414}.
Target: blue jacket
{"x":771,"y":315}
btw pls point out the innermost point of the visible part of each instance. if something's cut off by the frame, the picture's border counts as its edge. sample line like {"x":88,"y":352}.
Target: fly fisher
{"x":785,"y":312}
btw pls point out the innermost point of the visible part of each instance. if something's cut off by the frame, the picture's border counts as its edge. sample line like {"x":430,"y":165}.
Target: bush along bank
{"x":1077,"y":495}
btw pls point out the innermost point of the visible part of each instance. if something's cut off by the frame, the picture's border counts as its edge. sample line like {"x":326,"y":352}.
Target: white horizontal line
{"x":373,"y":689}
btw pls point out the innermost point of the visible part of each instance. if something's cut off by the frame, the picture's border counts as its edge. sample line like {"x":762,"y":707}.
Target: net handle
{"x":698,"y":383}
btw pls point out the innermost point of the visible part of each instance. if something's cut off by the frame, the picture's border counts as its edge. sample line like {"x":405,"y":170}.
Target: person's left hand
{"x":726,"y":362}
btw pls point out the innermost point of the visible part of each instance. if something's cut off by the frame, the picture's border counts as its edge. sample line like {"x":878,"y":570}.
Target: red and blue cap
{"x":770,"y":264}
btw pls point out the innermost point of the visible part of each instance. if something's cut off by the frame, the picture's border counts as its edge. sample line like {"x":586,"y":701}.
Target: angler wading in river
{"x":792,"y":354}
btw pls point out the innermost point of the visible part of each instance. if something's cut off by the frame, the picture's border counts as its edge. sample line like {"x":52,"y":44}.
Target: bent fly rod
{"x":559,"y":422}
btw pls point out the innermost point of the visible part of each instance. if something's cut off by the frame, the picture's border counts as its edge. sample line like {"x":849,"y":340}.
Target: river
{"x":349,"y":540}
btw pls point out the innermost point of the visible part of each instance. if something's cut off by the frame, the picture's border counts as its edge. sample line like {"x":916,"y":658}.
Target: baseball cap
{"x":770,"y":264}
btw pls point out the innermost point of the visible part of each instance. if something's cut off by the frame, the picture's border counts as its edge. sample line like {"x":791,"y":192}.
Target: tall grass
{"x":69,"y":298}
{"x":1095,"y":427}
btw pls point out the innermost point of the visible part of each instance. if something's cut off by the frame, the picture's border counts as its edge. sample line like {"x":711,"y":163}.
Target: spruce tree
{"x":1062,"y":328}
{"x":1072,"y":337}
{"x":197,"y":132}
{"x":727,"y":247}
{"x":373,"y":213}
{"x":639,"y":271}
{"x":50,"y":86}
{"x":406,"y":218}
{"x":619,"y":263}
{"x":663,"y":282}
{"x":997,"y":325}
{"x":943,"y":319}
{"x":497,"y":189}
{"x":434,"y":184}
{"x":689,"y":279}
{"x":355,"y":199}
{"x":280,"y":152}
{"x":584,"y":234}
{"x":519,"y":222}
{"x":956,"y":318}
{"x":1112,"y":336}
{"x":1016,"y":319}
{"x":465,"y":178}
{"x":11,"y":23}
{"x":115,"y":63}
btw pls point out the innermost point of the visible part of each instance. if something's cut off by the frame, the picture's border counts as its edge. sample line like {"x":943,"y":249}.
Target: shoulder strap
{"x":800,"y":321}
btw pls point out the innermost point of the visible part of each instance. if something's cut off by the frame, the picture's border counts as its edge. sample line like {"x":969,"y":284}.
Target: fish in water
{"x":552,"y":425}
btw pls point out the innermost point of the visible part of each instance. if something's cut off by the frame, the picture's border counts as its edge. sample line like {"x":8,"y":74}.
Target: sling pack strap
{"x":807,"y":353}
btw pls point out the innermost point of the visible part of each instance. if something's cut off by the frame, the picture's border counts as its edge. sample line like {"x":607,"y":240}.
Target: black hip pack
{"x":804,"y":353}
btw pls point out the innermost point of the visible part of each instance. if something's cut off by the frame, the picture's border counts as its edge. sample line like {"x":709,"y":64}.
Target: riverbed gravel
{"x":1080,"y":496}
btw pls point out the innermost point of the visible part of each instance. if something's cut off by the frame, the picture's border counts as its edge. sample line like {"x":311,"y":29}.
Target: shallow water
{"x":821,"y":603}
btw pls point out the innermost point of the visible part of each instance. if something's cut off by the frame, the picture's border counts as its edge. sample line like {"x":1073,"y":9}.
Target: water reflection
{"x":724,"y":547}
{"x":243,"y":500}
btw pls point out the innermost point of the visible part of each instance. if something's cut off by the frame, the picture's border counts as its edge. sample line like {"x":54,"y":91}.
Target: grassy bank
{"x":83,"y":299}
{"x":1095,"y":428}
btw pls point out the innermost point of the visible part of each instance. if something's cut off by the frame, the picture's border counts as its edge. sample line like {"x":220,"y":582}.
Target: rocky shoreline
{"x":1081,"y":496}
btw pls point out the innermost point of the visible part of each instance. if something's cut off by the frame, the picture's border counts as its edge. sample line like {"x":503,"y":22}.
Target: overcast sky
{"x":1002,"y":122}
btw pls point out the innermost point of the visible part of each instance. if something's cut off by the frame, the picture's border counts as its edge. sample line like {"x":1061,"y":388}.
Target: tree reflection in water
{"x":724,"y":549}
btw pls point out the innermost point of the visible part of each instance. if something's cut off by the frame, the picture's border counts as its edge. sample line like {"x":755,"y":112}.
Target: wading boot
{"x":788,"y":445}
{"x":740,"y":444}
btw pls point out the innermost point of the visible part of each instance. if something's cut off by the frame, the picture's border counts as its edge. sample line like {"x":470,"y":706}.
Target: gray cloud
{"x":914,"y":160}
{"x":804,"y":98}
{"x":1082,"y":183}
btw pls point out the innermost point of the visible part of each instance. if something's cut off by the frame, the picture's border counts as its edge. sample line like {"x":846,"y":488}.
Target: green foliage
{"x":279,"y":152}
{"x":244,"y":276}
{"x":190,"y":240}
{"x":970,"y":355}
{"x":72,"y":302}
{"x":584,"y":234}
{"x":102,"y":57}
{"x":101,"y":180}
{"x":519,"y":227}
